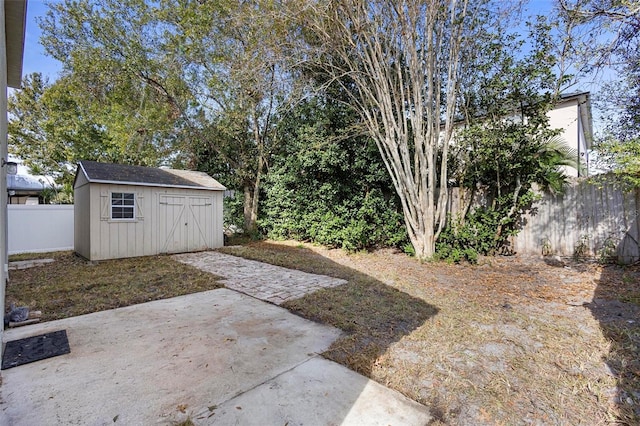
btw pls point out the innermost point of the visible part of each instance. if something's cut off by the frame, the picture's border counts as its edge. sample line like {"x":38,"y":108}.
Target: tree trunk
{"x":423,"y":244}
{"x":252,"y":189}
{"x":250,"y":207}
{"x":252,"y":198}
{"x":512,"y":211}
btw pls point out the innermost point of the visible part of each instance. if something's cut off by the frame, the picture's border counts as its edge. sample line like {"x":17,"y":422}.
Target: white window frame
{"x":122,"y":206}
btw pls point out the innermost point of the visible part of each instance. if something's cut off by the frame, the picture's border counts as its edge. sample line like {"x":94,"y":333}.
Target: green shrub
{"x":330,"y":189}
{"x":409,"y":250}
{"x":465,"y":241}
{"x":232,"y":212}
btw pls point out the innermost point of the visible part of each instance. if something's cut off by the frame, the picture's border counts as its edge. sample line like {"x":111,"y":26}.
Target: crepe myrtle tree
{"x":402,"y":60}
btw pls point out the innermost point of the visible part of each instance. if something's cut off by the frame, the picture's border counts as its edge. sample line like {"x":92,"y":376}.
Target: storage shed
{"x":127,"y":211}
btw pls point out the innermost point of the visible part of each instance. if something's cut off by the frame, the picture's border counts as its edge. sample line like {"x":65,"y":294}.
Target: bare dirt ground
{"x":508,"y":341}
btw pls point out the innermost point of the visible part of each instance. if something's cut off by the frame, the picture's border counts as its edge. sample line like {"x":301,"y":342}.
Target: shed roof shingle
{"x":147,"y":176}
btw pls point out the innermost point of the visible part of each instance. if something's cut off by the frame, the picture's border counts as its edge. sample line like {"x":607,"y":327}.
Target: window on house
{"x":122,"y":205}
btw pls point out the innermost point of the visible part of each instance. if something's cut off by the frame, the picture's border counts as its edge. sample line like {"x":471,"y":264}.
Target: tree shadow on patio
{"x":372,"y":314}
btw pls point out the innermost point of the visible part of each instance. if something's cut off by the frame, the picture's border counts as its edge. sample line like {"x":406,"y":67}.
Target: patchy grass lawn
{"x":73,"y":286}
{"x":509,"y":341}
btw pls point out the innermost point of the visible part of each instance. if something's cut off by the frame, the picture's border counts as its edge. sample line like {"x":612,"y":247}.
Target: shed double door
{"x":185,"y":223}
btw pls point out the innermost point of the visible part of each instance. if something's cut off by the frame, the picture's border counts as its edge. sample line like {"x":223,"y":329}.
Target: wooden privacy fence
{"x":599,"y":220}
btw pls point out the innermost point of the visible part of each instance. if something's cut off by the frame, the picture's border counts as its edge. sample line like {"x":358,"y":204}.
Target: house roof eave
{"x":15,"y":18}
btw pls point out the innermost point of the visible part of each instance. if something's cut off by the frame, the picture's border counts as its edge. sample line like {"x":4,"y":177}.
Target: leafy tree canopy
{"x":53,"y":126}
{"x":603,"y":34}
{"x":192,"y":83}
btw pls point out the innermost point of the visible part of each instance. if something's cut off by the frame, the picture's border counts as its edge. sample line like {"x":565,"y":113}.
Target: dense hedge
{"x":329,"y":187}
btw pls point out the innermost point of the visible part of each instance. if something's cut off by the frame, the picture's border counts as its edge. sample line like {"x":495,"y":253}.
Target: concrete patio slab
{"x":199,"y":356}
{"x":321,"y":392}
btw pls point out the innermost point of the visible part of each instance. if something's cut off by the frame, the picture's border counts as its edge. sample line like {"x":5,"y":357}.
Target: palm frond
{"x":558,"y":150}
{"x":555,"y":153}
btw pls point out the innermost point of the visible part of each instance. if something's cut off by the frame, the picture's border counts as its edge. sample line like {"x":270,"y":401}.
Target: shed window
{"x":122,"y":205}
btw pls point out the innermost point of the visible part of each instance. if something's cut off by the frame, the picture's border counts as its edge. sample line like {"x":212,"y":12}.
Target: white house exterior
{"x":127,"y":211}
{"x":13,"y":14}
{"x":572,"y":114}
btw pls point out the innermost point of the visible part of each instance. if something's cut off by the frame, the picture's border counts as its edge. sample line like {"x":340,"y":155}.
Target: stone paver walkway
{"x":271,"y":283}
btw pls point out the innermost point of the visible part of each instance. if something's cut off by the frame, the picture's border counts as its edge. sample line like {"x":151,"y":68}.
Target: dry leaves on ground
{"x":509,"y":341}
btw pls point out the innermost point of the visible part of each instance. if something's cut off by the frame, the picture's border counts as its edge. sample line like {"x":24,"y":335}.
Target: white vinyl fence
{"x":39,"y":228}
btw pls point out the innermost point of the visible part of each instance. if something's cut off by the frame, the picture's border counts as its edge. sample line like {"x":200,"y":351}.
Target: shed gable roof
{"x":124,"y":174}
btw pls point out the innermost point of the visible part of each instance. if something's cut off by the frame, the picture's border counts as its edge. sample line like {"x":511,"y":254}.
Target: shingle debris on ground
{"x":263,"y":281}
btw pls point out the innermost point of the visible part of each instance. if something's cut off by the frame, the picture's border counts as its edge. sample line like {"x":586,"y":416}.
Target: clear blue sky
{"x":35,"y":59}
{"x":34,"y":56}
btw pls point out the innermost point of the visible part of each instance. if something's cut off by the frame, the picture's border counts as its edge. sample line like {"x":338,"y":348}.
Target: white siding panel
{"x":565,"y":117}
{"x":218,"y":226}
{"x":81,"y":180}
{"x":171,"y":228}
{"x":95,"y":222}
{"x":199,"y":223}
